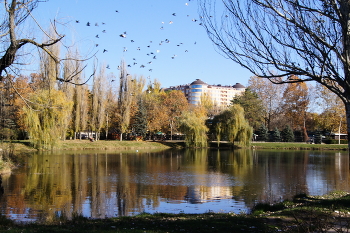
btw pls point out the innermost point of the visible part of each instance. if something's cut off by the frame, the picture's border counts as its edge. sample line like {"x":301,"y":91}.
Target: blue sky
{"x":163,"y":39}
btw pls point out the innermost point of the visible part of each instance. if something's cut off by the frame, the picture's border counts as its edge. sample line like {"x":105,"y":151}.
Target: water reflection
{"x":102,"y":185}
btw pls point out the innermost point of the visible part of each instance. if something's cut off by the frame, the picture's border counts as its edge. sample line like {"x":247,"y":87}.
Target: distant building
{"x":220,"y":95}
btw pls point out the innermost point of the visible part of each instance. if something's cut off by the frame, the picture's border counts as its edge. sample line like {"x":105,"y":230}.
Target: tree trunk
{"x":347,"y":109}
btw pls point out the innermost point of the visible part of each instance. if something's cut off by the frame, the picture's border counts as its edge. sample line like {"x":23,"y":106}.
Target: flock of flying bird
{"x":152,"y":53}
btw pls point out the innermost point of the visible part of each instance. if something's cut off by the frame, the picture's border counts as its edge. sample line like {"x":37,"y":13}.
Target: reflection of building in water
{"x":199,"y":194}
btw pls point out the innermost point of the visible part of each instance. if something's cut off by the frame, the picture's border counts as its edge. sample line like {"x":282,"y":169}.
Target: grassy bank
{"x":25,"y":146}
{"x":304,"y":213}
{"x":298,"y":146}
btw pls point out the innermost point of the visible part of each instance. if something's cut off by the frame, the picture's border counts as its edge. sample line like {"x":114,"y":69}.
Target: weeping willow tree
{"x":44,"y":116}
{"x":232,"y":125}
{"x":192,"y":124}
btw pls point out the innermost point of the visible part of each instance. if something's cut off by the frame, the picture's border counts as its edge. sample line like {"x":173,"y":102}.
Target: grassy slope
{"x":128,"y":145}
{"x":298,"y":146}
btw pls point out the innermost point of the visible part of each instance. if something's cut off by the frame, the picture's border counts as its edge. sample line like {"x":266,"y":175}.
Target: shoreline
{"x":327,"y":213}
{"x":25,"y":145}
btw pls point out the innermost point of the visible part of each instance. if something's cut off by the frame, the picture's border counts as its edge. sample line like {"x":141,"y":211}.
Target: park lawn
{"x":25,"y":145}
{"x":298,"y":146}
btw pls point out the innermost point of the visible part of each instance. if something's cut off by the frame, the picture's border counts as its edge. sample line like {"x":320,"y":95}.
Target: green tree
{"x":287,"y":134}
{"x":263,"y":133}
{"x":276,"y":135}
{"x":253,"y":107}
{"x":140,"y":119}
{"x":45,"y":116}
{"x":232,"y":125}
{"x":280,"y":38}
{"x":192,"y":124}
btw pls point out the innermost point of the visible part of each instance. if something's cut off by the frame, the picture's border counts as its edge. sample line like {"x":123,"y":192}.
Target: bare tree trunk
{"x":347,"y":109}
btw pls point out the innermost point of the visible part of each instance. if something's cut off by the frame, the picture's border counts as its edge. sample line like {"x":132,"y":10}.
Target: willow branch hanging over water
{"x":45,"y":117}
{"x":232,"y":125}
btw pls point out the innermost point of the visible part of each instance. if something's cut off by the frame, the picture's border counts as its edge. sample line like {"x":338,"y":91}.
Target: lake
{"x":101,"y":184}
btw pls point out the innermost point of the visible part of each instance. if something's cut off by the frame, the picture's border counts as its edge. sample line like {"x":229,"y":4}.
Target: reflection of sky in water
{"x":185,"y":179}
{"x":219,"y":205}
{"x":124,"y":189}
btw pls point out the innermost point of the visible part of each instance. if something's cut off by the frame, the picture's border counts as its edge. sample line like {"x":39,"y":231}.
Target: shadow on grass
{"x":209,"y":222}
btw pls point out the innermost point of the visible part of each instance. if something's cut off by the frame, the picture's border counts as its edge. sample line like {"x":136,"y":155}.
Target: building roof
{"x":238,"y":85}
{"x":198,"y":81}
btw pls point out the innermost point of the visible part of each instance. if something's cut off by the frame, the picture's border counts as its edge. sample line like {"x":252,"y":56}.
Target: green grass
{"x":298,"y":146}
{"x":25,"y":145}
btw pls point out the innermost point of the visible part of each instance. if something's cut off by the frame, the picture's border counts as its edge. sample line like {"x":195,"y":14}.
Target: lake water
{"x":107,"y":184}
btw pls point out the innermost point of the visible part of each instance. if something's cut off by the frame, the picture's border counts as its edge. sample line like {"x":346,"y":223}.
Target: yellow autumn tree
{"x":44,"y":116}
{"x":192,"y":124}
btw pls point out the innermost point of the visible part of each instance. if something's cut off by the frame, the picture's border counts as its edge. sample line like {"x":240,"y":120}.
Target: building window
{"x":196,"y":90}
{"x":196,"y":86}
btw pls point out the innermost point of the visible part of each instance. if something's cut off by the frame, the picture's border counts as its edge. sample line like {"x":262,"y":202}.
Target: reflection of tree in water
{"x":1,"y":187}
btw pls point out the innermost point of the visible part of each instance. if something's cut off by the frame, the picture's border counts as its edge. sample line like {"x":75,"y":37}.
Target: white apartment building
{"x":219,"y":94}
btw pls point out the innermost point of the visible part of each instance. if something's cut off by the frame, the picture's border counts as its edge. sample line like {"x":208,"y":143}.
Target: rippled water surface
{"x":100,"y":185}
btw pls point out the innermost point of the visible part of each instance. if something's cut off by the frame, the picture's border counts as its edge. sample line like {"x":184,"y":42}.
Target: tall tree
{"x":309,"y":39}
{"x":156,"y":111}
{"x":332,"y":110}
{"x":175,"y":103}
{"x":124,"y":99}
{"x":253,"y":107}
{"x":140,"y":119}
{"x":98,"y":112}
{"x":296,"y":101}
{"x":271,"y":96}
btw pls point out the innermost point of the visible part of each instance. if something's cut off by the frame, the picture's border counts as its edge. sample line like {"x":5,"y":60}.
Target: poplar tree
{"x":125,"y":96}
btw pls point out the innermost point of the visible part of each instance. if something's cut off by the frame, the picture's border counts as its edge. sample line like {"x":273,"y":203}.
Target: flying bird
{"x":104,"y":31}
{"x":122,"y":35}
{"x":174,"y":14}
{"x":77,"y":21}
{"x":108,"y":67}
{"x":88,"y":24}
{"x":105,"y":50}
